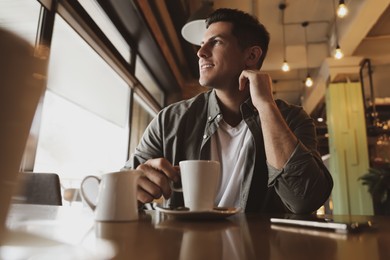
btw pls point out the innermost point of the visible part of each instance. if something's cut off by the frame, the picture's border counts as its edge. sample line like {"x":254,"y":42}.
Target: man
{"x":267,"y":148}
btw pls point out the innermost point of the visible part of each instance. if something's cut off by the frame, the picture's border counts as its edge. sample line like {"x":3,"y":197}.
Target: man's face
{"x":221,"y":60}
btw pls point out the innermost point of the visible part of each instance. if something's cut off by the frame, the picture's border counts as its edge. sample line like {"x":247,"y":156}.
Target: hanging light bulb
{"x":285,"y":66}
{"x":338,"y":54}
{"x":308,"y":81}
{"x":342,"y":9}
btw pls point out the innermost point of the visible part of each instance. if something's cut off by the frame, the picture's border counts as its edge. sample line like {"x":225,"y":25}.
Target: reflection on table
{"x":51,"y":231}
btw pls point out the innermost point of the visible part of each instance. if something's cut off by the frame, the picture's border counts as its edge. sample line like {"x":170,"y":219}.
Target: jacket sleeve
{"x":304,"y":183}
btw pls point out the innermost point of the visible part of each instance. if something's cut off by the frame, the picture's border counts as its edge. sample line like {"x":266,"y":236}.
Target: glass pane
{"x":20,"y":17}
{"x":140,"y":119}
{"x":84,"y":126}
{"x":103,"y":21}
{"x":143,"y":75}
{"x":77,"y":73}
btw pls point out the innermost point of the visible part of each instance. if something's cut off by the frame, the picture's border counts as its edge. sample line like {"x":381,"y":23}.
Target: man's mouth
{"x":206,"y":66}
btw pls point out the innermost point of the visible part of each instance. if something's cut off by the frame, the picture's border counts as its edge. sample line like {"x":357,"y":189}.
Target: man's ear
{"x":253,"y":56}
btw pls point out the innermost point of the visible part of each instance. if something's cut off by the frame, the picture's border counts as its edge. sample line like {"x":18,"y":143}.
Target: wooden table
{"x":49,"y":232}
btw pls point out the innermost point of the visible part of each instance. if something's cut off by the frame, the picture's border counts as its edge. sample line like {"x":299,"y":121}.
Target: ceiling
{"x":364,"y":32}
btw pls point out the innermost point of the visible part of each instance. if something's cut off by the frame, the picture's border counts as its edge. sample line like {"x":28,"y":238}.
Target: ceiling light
{"x":342,"y":9}
{"x":285,"y":66}
{"x":195,"y":27}
{"x":338,"y":53}
{"x":308,"y":82}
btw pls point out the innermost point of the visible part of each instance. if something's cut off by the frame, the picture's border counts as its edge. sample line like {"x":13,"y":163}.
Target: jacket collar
{"x":213,"y":112}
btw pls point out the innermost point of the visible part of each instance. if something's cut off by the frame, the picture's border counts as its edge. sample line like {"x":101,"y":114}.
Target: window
{"x":144,"y":76}
{"x":84,"y":125}
{"x":20,"y":17}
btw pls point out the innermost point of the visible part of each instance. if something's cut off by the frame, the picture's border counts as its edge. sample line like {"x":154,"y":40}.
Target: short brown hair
{"x":246,"y":28}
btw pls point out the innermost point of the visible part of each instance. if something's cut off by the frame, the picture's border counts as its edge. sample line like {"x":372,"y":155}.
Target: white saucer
{"x":185,"y":213}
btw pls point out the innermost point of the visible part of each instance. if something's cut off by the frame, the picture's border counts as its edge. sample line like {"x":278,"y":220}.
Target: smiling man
{"x":266,"y":147}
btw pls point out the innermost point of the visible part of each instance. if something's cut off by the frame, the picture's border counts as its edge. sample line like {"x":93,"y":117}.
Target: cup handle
{"x":83,"y":194}
{"x":172,"y":186}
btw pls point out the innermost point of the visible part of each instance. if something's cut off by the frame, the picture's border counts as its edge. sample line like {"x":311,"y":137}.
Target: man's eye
{"x":216,"y":42}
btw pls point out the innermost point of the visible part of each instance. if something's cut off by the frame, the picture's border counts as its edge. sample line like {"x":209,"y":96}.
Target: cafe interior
{"x":110,"y":66}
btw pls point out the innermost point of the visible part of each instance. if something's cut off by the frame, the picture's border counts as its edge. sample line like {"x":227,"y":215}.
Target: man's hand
{"x":154,"y":182}
{"x":260,"y":86}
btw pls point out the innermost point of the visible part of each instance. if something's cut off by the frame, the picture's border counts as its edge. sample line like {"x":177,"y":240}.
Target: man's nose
{"x":202,"y":52}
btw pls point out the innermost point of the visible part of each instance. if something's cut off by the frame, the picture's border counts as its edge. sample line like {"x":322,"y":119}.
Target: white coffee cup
{"x":200,"y":181}
{"x":116,"y":199}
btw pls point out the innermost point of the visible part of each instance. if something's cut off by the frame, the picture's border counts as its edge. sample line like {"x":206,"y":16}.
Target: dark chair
{"x":39,"y":188}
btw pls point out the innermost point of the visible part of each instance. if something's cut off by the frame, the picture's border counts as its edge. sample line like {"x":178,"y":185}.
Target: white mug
{"x":116,"y":199}
{"x":200,"y":181}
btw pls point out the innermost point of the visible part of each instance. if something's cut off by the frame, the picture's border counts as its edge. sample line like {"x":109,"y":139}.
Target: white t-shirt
{"x":229,"y":147}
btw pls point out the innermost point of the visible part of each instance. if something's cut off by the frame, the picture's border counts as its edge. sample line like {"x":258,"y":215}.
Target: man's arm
{"x":295,"y":167}
{"x":279,"y":141}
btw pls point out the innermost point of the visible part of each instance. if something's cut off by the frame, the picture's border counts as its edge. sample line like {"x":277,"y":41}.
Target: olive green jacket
{"x":182,"y":131}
